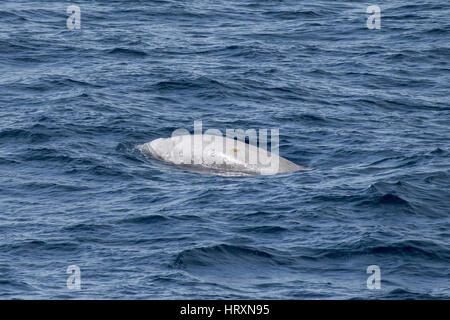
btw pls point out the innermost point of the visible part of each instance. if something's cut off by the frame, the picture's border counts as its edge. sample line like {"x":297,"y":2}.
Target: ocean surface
{"x":366,"y":109}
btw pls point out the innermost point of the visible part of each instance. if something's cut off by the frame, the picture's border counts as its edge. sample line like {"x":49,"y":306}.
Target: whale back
{"x":217,"y":155}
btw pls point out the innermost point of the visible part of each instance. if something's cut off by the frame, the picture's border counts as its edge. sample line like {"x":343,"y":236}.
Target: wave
{"x":427,"y":250}
{"x":43,"y":247}
{"x":226,"y":255}
{"x":150,"y":219}
{"x":127,"y":52}
{"x":189,"y":84}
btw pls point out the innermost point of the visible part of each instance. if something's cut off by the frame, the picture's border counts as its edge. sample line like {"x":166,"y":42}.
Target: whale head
{"x":159,"y":148}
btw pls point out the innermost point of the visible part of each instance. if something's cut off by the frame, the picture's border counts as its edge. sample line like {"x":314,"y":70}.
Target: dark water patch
{"x":46,"y":154}
{"x":13,"y":47}
{"x":440,"y":152}
{"x":86,"y":227}
{"x":8,"y":287}
{"x":402,"y":249}
{"x":439,"y":179}
{"x":52,"y":83}
{"x":293,"y":14}
{"x":424,"y":249}
{"x":112,"y":171}
{"x":51,"y":187}
{"x":385,"y":194}
{"x":127,"y":52}
{"x":149,"y":219}
{"x":416,"y":196}
{"x":189,"y":217}
{"x":271,"y":230}
{"x":189,"y":84}
{"x":225,"y":255}
{"x":43,"y":247}
{"x":12,"y":16}
{"x":37,"y":134}
{"x":306,"y":118}
{"x":391,"y":199}
{"x":405,"y":294}
{"x":256,"y":217}
{"x":6,"y":161}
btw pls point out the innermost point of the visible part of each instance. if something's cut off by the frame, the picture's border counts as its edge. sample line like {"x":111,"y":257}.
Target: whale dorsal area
{"x":217,"y":155}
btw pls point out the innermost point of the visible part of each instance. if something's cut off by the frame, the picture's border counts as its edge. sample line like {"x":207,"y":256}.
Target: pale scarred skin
{"x":217,"y":155}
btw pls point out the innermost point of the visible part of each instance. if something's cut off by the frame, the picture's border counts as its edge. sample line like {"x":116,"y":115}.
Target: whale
{"x":218,"y":155}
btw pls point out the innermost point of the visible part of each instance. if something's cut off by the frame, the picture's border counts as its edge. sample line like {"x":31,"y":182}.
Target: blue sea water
{"x":367,"y":110}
